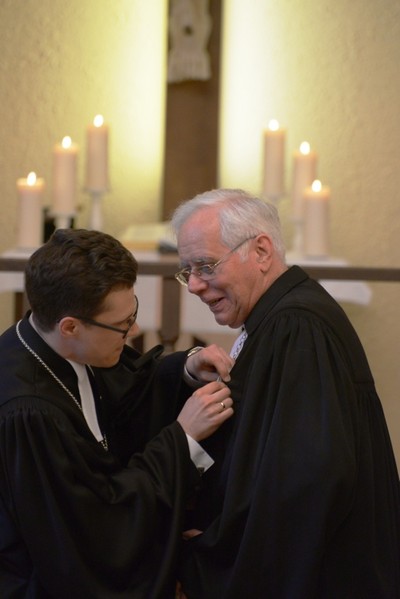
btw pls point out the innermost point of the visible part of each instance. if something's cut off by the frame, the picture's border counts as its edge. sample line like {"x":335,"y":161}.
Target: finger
{"x":224,"y":404}
{"x":218,"y":360}
{"x":189,"y":534}
{"x":223,"y":365}
{"x":223,"y":415}
{"x":210,"y":375}
{"x":210,"y":388}
{"x":221,"y":394}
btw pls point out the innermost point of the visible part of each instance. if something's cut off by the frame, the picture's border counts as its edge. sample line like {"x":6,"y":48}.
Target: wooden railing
{"x":167,"y":266}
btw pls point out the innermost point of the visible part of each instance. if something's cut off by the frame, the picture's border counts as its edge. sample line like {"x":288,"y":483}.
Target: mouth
{"x":214,"y":304}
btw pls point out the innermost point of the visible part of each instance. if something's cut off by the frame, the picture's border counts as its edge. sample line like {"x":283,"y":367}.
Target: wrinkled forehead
{"x":199,"y":238}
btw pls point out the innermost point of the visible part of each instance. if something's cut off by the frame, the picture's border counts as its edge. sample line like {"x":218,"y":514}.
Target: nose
{"x":196,"y":284}
{"x":134,"y":330}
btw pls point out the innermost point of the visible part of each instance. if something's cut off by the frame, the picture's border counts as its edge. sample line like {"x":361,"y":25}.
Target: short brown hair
{"x":73,"y":273}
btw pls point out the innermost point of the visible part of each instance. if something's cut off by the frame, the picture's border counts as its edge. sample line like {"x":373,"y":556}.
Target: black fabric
{"x":304,"y":501}
{"x":77,"y":522}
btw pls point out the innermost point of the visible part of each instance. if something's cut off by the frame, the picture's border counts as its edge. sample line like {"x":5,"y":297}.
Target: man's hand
{"x":209,"y":364}
{"x":206,"y":410}
{"x":191,"y":533}
{"x":179,"y":594}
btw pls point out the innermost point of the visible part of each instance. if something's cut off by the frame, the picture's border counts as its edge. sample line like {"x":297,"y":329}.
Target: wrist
{"x":190,"y":378}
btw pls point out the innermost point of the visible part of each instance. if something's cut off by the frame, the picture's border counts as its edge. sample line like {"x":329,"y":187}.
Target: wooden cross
{"x":192,"y":121}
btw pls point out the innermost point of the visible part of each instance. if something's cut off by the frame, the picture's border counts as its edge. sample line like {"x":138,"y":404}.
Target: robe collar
{"x":61,"y":367}
{"x":283,"y":285}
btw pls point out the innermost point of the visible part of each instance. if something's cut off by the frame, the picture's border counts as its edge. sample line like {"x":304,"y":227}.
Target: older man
{"x":305,"y":501}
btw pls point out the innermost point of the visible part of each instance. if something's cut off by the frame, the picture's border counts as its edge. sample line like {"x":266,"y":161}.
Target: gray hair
{"x":240,"y":215}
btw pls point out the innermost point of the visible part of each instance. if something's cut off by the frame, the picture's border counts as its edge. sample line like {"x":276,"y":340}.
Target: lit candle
{"x":304,"y":173}
{"x":97,"y":155}
{"x":65,"y":159}
{"x":316,"y":220}
{"x":30,"y":212}
{"x":274,"y":159}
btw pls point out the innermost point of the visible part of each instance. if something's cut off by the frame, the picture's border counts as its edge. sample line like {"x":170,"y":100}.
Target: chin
{"x":223,"y":321}
{"x":108,"y":362}
{"x":111,"y":363}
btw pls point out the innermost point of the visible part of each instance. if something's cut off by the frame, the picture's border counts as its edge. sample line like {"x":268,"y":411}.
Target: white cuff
{"x":199,"y":457}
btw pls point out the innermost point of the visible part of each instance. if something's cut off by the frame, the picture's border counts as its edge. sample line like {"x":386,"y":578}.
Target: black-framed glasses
{"x":129,"y":321}
{"x":206,"y":271}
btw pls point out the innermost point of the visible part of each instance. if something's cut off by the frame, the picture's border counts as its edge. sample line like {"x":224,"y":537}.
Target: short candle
{"x":316,"y":219}
{"x":30,"y":211}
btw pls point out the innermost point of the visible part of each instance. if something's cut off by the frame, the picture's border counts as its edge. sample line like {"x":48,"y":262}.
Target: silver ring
{"x":223,"y":406}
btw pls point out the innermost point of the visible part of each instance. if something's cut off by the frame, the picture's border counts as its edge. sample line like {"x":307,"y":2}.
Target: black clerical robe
{"x":303,"y":502}
{"x":76,"y":521}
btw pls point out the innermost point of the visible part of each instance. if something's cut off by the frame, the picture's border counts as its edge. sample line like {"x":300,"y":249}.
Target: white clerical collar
{"x":87,"y":399}
{"x":85,"y":392}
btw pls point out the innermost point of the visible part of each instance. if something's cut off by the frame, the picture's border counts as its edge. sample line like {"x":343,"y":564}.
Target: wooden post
{"x":192,"y":128}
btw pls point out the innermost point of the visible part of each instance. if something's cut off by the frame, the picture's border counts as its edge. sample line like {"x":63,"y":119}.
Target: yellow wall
{"x":329,"y":71}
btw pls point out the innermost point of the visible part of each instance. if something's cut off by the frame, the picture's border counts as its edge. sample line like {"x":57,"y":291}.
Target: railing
{"x":166,"y":267}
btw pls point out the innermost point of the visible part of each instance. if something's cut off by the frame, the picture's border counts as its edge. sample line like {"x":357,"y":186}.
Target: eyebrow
{"x":124,"y":320}
{"x":130,"y":315}
{"x":199,"y":261}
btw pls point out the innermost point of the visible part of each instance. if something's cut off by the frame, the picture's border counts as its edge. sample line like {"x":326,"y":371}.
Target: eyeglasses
{"x":206,"y":271}
{"x":130,"y":322}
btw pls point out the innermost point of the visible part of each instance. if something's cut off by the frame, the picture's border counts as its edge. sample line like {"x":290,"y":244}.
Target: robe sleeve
{"x":92,"y":528}
{"x":142,"y":394}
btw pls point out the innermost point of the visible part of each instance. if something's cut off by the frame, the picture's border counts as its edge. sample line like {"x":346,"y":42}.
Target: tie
{"x":239,"y":342}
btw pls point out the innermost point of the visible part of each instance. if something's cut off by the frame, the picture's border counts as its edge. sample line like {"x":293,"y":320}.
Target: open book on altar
{"x":149,"y":236}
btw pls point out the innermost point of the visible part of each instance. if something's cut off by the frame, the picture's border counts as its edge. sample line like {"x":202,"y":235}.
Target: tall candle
{"x":304,"y":173}
{"x":274,"y":160}
{"x":65,"y":178}
{"x":316,"y":220}
{"x":97,"y":156}
{"x":30,"y":211}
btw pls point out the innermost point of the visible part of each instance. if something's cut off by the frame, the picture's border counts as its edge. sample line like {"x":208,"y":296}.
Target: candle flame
{"x":31,"y":178}
{"x":98,"y":120}
{"x":305,"y":148}
{"x":66,"y":142}
{"x":316,"y":185}
{"x":273,"y":125}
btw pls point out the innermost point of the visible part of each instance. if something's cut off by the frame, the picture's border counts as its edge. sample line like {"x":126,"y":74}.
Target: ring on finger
{"x":223,"y":406}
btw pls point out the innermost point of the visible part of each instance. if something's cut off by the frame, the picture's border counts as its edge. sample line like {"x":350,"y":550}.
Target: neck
{"x":53,"y":339}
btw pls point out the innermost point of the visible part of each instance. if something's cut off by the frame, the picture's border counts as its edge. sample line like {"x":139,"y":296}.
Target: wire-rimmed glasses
{"x":206,"y":271}
{"x":130,"y":322}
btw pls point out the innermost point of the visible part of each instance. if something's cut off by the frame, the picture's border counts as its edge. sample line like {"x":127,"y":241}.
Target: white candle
{"x":304,"y":173}
{"x":65,"y":160}
{"x":30,"y":212}
{"x":316,"y":220}
{"x":97,"y":156}
{"x":274,"y":160}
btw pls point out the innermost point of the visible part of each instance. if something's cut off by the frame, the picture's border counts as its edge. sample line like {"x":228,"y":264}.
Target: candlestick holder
{"x":63,"y":221}
{"x":96,"y":209}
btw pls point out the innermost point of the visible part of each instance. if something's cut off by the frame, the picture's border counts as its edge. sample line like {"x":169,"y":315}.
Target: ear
{"x":68,"y":326}
{"x":264,"y":249}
